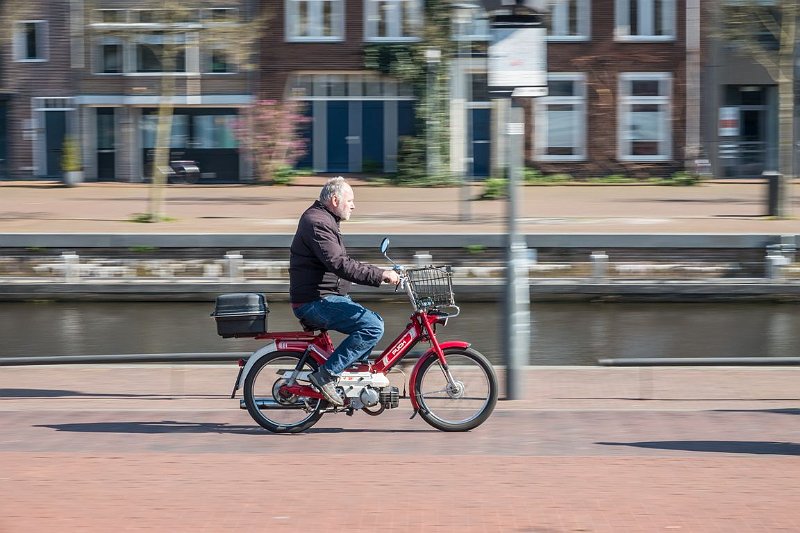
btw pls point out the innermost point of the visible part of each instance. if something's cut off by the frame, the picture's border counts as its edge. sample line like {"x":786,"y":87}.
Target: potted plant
{"x":71,"y":161}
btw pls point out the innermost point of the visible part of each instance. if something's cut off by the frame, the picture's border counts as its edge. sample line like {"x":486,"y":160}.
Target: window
{"x":314,"y":20}
{"x":645,"y":20}
{"x":179,"y":133}
{"x":569,"y":21}
{"x":219,"y":61}
{"x":30,"y":40}
{"x":392,"y":20}
{"x":560,"y":119}
{"x":221,"y":15}
{"x":111,"y":16}
{"x":110,"y":58}
{"x":645,"y":125}
{"x":151,"y":49}
{"x":215,"y":131}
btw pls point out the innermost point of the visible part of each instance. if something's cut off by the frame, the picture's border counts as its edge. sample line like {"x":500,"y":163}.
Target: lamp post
{"x":463,"y":16}
{"x":432,"y":57}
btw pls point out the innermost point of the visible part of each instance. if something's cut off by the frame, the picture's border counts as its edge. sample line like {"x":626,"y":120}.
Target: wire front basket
{"x":431,"y":286}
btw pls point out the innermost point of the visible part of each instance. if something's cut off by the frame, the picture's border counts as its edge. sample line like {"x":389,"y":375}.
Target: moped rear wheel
{"x":266,"y":402}
{"x":464,"y":404}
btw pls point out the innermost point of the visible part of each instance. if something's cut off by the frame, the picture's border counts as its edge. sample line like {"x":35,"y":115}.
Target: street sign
{"x":518,"y":55}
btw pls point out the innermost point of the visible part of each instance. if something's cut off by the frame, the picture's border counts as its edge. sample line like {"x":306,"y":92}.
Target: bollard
{"x":775,"y":192}
{"x":423,"y":258}
{"x":599,"y":265}
{"x":71,"y":267}
{"x":775,"y":263}
{"x":788,"y":247}
{"x":234,"y":265}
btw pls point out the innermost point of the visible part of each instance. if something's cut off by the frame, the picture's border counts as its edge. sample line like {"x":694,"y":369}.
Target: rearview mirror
{"x":384,"y":245}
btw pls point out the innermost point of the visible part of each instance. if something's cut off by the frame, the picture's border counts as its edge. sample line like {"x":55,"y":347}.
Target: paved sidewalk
{"x":714,"y":207}
{"x":162,"y":448}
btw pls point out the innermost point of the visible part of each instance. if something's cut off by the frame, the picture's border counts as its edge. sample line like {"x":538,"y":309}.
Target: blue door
{"x":338,"y":130}
{"x":372,"y":136}
{"x":481,"y":145}
{"x":55,"y":123}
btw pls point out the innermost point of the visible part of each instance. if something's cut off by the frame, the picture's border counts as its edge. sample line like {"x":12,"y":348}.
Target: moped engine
{"x":369,"y":397}
{"x":390,"y":397}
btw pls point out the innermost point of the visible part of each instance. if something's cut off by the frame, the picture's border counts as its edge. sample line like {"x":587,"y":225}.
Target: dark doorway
{"x":338,"y":131}
{"x":106,"y":145}
{"x":55,"y":132}
{"x":372,"y":136}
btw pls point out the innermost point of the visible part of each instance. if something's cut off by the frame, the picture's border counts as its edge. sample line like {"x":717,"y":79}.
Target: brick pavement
{"x":162,"y":448}
{"x":714,"y":207}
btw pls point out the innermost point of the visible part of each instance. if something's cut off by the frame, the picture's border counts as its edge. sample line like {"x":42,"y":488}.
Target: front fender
{"x":430,"y":353}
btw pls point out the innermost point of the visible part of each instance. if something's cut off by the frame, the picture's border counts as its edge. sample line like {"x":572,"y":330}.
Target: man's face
{"x":344,"y":206}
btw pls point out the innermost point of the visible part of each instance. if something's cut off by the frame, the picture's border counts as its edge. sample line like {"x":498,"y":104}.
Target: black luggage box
{"x":241,"y":314}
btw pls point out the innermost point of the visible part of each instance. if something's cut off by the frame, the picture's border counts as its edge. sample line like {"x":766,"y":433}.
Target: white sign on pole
{"x":728,"y":121}
{"x":518,"y":58}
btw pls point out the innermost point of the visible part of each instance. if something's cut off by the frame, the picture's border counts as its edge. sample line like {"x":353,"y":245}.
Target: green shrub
{"x":495,"y":188}
{"x":560,"y":178}
{"x":71,"y":155}
{"x":532,"y":176}
{"x":412,"y":166}
{"x":684,"y":178}
{"x":283,"y":175}
{"x":614,"y":178}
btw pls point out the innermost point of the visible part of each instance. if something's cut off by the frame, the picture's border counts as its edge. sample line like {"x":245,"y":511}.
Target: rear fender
{"x":430,"y":353}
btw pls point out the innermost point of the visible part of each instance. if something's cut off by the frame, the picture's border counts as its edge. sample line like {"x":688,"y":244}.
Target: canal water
{"x":562,"y":333}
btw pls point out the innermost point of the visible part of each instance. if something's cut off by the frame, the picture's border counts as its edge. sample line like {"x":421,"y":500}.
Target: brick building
{"x":628,"y":86}
{"x":95,"y":70}
{"x":617,"y":99}
{"x":38,"y":87}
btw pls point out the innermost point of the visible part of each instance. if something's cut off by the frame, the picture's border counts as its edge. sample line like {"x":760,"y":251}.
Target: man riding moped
{"x":320,"y":274}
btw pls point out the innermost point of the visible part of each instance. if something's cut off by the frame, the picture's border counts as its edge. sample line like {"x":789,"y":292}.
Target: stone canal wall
{"x":560,"y":267}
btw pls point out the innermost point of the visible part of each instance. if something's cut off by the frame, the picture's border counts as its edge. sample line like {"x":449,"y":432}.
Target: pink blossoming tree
{"x":272,"y":134}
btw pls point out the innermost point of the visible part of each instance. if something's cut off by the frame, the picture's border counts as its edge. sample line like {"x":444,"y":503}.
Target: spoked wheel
{"x":269,"y":405}
{"x":464,"y":404}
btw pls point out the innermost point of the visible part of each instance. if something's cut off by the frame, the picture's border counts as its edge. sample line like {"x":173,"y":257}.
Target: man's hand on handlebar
{"x":391,"y":277}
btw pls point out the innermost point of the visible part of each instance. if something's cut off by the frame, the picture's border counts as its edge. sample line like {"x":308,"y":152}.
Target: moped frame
{"x":319,"y":347}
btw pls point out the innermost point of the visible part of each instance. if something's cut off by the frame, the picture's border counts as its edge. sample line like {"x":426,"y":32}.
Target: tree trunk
{"x":786,"y":77}
{"x":160,"y":170}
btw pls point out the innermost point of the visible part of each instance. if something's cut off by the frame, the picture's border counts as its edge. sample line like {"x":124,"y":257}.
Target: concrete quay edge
{"x":475,"y":290}
{"x":399,"y":240}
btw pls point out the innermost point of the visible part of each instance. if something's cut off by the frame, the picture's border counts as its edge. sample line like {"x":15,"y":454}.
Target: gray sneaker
{"x":326,"y":386}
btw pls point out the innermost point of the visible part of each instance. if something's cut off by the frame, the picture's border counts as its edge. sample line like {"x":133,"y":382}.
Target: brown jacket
{"x":318,"y":262}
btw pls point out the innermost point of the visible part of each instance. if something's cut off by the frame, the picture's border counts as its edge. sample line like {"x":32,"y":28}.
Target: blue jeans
{"x":340,"y":313}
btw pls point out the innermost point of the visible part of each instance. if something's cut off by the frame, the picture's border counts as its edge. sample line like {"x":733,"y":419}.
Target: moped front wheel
{"x":269,"y":405}
{"x":467,"y":401}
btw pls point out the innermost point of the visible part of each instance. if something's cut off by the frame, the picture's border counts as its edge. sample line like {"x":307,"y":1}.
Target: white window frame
{"x":315,"y":10}
{"x":42,"y":42}
{"x":208,"y":52}
{"x":191,"y":54}
{"x":540,"y":110}
{"x":646,"y":20}
{"x":559,"y":21}
{"x":395,"y":17}
{"x":624,"y":115}
{"x":98,"y":53}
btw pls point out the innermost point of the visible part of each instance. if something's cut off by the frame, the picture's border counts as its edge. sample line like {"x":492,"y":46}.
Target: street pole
{"x":432,"y":57}
{"x":517,"y":301}
{"x":464,"y":14}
